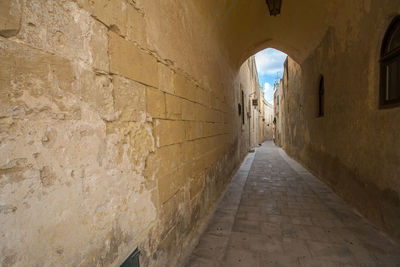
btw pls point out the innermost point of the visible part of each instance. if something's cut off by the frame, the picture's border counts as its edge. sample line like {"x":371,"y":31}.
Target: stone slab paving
{"x":278,"y":214}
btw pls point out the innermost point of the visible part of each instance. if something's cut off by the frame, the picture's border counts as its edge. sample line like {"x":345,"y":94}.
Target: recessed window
{"x":321,"y":94}
{"x":390,"y":66}
{"x":242,"y":107}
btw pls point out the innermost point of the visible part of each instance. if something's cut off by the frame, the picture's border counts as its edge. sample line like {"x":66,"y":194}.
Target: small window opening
{"x":321,"y":93}
{"x":242,"y":107}
{"x":390,"y":66}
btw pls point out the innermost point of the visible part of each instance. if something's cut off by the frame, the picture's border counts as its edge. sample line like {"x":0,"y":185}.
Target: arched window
{"x":390,"y":66}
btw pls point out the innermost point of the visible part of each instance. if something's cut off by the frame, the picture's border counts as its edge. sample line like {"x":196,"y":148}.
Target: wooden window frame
{"x":388,"y":57}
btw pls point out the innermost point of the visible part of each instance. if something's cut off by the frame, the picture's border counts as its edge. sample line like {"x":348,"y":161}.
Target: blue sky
{"x":269,"y":66}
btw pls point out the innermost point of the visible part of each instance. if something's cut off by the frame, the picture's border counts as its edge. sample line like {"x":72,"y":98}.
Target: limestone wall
{"x":248,"y":80}
{"x":355,"y":146}
{"x":119,"y":128}
{"x":252,"y":89}
{"x":268,"y":121}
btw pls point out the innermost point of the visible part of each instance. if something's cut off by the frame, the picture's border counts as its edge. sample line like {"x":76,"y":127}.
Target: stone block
{"x":220,"y":152}
{"x":221,"y":116}
{"x":214,"y":102}
{"x":59,"y":27}
{"x":169,"y":184}
{"x":169,"y":132}
{"x":208,"y":129}
{"x":202,"y":146}
{"x":211,"y":115}
{"x":188,"y":110}
{"x":200,"y":163}
{"x":184,"y":87}
{"x":136,"y":26}
{"x":99,"y":47}
{"x":196,"y":185}
{"x":170,"y":211}
{"x":219,"y":140}
{"x":129,"y":61}
{"x":155,"y":102}
{"x":213,"y":156}
{"x":216,"y":116}
{"x":173,"y":106}
{"x":187,"y":170}
{"x":129,"y":98}
{"x":207,"y":114}
{"x":193,"y":130}
{"x":27,"y":74}
{"x":221,"y":128}
{"x":165,"y":78}
{"x":160,"y":163}
{"x":10,"y":17}
{"x":224,"y":117}
{"x":120,"y":16}
{"x":195,"y":148}
{"x":218,"y":128}
{"x":97,"y":91}
{"x":201,"y":113}
{"x":187,"y":151}
{"x":202,"y":96}
{"x":111,"y":13}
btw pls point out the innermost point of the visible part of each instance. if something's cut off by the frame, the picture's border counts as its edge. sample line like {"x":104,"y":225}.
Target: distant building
{"x":277,"y":111}
{"x":268,"y":118}
{"x":251,"y":106}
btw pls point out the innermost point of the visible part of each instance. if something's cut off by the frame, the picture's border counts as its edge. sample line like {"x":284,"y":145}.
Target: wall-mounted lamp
{"x":274,"y":7}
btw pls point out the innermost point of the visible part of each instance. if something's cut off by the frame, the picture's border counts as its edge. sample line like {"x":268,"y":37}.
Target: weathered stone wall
{"x":268,"y":121}
{"x":279,"y":102}
{"x":248,"y":80}
{"x":118,"y":129}
{"x":251,"y":87}
{"x":355,"y":146}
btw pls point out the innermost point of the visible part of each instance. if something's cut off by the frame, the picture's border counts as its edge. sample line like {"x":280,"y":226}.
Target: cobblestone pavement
{"x":278,"y":214}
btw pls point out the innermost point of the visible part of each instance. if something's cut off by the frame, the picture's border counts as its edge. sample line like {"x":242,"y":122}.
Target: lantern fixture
{"x":274,"y":7}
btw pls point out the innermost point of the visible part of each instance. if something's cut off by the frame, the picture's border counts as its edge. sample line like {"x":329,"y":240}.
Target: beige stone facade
{"x":252,"y":96}
{"x":354,"y":146}
{"x":120,"y":124}
{"x":268,"y":120}
{"x":253,"y":106}
{"x":277,"y":128}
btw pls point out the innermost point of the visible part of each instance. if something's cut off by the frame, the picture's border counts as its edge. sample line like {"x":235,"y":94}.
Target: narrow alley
{"x":275,"y":213}
{"x":126,"y":127}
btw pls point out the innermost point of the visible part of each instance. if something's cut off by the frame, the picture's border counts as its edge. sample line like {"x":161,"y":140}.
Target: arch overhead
{"x":249,"y":28}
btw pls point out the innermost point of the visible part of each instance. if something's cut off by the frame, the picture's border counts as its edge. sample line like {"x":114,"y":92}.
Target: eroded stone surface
{"x":62,"y":168}
{"x":100,"y":152}
{"x":10,"y":18}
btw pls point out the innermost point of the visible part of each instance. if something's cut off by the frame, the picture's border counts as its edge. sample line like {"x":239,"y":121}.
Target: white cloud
{"x":268,"y":92}
{"x":270,"y":61}
{"x":268,"y":88}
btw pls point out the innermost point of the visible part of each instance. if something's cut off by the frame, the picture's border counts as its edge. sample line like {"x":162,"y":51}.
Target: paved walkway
{"x":275,"y":213}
